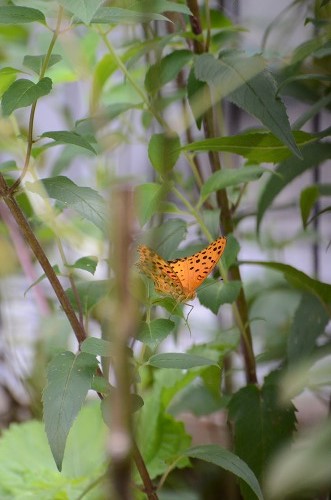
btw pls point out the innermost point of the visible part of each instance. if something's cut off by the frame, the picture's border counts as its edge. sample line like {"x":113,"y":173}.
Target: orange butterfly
{"x":181,"y":277}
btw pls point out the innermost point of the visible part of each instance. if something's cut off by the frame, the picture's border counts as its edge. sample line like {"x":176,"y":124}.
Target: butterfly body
{"x":180,"y":278}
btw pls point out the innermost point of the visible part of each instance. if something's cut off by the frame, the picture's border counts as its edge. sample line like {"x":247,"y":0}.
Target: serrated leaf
{"x":298,"y":279}
{"x":179,"y":361}
{"x":217,"y":455}
{"x":117,"y":15}
{"x":69,"y":378}
{"x":67,"y":137}
{"x":215,"y":293}
{"x":83,"y":9}
{"x":230,"y":177}
{"x":147,"y":200}
{"x":23,"y":93}
{"x":261,"y":425}
{"x":18,"y":15}
{"x":163,"y":152}
{"x":90,"y":293}
{"x":309,"y":323}
{"x":155,"y":331}
{"x":36,"y":62}
{"x":256,"y":147}
{"x":88,"y":264}
{"x":288,"y":170}
{"x":166,"y":69}
{"x":84,"y":200}
{"x":97,"y":347}
{"x":246,"y":82}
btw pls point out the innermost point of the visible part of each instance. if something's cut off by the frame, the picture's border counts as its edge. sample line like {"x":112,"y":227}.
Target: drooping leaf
{"x":163,"y":152}
{"x":215,"y":293}
{"x":179,"y":360}
{"x":261,"y":425}
{"x":224,"y":458}
{"x":246,"y":82}
{"x":14,"y":14}
{"x":155,"y":331}
{"x":309,"y":323}
{"x":23,"y":93}
{"x":288,"y":170}
{"x":69,"y":378}
{"x":84,"y":200}
{"x":67,"y":137}
{"x":83,"y":9}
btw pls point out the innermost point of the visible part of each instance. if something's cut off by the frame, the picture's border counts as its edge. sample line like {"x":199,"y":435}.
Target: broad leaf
{"x":97,"y":347}
{"x":217,"y":455}
{"x":67,"y":137}
{"x":18,"y":15}
{"x":166,"y":238}
{"x":84,"y":200}
{"x":117,"y":15}
{"x":69,"y":378}
{"x":155,"y":331}
{"x":88,"y":264}
{"x":90,"y":293}
{"x":179,"y":360}
{"x":159,"y":6}
{"x":147,"y":200}
{"x":246,"y":82}
{"x":214,"y":294}
{"x":309,"y":323}
{"x":163,"y":152}
{"x":23,"y":93}
{"x":36,"y":62}
{"x":261,"y":425}
{"x":166,"y":69}
{"x":288,"y":170}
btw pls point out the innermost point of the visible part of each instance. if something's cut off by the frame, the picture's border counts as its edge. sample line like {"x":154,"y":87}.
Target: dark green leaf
{"x":88,"y":264}
{"x":163,"y":152}
{"x":69,"y":378}
{"x":83,"y":9}
{"x":67,"y":137}
{"x":289,"y":169}
{"x":166,"y":238}
{"x":166,"y":69}
{"x":90,"y":293}
{"x":36,"y":62}
{"x":84,"y":200}
{"x":230,"y":177}
{"x":308,"y":198}
{"x":23,"y":93}
{"x":17,"y":15}
{"x":261,"y":425}
{"x":231,"y":252}
{"x":155,"y":331}
{"x":147,"y":200}
{"x":179,"y":360}
{"x":97,"y":347}
{"x":217,"y":455}
{"x":255,"y":146}
{"x":213,"y":294}
{"x":117,"y":15}
{"x":299,"y":280}
{"x":246,"y":82}
{"x":159,"y":6}
{"x":309,"y":323}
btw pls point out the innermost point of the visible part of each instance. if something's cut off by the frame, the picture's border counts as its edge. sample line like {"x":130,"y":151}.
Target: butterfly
{"x":180,"y":278}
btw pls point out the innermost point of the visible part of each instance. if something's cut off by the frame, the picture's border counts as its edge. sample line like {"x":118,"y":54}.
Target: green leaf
{"x":230,"y":177}
{"x":67,"y":137}
{"x":155,"y":331}
{"x":90,"y":293}
{"x":84,"y":200}
{"x":290,"y":169}
{"x":231,"y":251}
{"x":56,"y":269}
{"x":97,"y":347}
{"x":308,"y":198}
{"x":23,"y":93}
{"x":8,"y":166}
{"x":159,"y":6}
{"x":257,"y":146}
{"x":69,"y":378}
{"x":246,"y":82}
{"x":117,"y":15}
{"x":166,"y":238}
{"x":261,"y":425}
{"x":197,"y":93}
{"x":147,"y":200}
{"x":217,"y":455}
{"x":17,"y":15}
{"x":309,"y":323}
{"x":179,"y":360}
{"x":88,"y":264}
{"x":163,"y":152}
{"x":215,"y":293}
{"x":166,"y":69}
{"x":299,"y":280}
{"x":7,"y":77}
{"x":36,"y":62}
{"x":83,"y":9}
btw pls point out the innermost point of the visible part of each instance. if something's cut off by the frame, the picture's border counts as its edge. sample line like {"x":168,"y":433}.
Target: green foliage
{"x":144,"y":76}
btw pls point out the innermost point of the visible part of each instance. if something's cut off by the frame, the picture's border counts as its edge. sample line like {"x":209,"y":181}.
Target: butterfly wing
{"x":193,"y":270}
{"x":160,"y":272}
